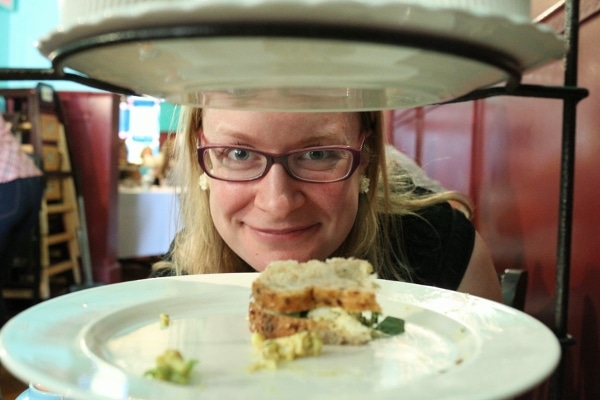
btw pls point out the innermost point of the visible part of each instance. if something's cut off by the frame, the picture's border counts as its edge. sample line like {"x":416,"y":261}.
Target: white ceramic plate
{"x":296,"y":73}
{"x":97,"y":343}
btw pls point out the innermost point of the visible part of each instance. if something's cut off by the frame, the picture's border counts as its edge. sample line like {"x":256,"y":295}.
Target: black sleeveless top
{"x":438,"y":245}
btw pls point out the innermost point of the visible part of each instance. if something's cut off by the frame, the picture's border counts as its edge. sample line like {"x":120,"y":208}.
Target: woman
{"x":311,"y":186}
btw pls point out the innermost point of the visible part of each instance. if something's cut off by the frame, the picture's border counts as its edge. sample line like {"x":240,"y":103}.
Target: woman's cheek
{"x":226,"y":198}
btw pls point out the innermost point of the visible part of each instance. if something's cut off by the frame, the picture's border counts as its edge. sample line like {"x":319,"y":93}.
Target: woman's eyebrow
{"x":317,"y":139}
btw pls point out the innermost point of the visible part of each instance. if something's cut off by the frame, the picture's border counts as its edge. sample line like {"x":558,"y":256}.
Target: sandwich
{"x":334,"y":299}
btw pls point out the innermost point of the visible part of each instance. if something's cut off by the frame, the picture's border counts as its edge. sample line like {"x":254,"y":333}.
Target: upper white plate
{"x":97,"y":343}
{"x":301,"y":74}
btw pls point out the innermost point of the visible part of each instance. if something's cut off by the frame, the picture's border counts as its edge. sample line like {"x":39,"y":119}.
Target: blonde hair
{"x":198,"y":248}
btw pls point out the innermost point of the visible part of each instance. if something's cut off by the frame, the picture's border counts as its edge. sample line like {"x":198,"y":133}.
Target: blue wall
{"x":3,"y":37}
{"x":26,"y":24}
{"x":19,"y":30}
{"x":169,"y":115}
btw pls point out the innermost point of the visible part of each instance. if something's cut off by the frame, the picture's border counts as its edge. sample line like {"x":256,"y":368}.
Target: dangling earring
{"x":203,"y":182}
{"x":364,"y":184}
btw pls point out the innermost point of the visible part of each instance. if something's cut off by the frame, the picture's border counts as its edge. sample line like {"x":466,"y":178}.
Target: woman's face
{"x":277,"y":217}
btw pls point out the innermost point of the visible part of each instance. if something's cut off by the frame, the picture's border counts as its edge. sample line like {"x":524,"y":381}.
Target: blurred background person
{"x":21,"y":190}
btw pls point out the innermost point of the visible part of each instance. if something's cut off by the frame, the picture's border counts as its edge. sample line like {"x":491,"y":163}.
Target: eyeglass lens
{"x":239,"y":164}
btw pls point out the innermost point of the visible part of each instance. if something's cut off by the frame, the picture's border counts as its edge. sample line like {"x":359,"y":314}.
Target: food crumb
{"x":165,"y":320}
{"x":171,"y":367}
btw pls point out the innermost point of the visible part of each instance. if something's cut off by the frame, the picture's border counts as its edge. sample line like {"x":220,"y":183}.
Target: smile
{"x":283,"y":234}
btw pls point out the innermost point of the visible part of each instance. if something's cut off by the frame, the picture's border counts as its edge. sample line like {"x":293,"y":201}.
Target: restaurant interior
{"x":527,"y":157}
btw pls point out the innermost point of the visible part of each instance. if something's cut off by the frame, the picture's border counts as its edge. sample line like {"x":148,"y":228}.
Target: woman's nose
{"x":278,"y":193}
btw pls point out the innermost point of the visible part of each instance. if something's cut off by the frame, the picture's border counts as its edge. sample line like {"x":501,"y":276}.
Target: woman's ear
{"x":200,"y":135}
{"x":364,"y":164}
{"x":367,"y":151}
{"x":197,"y":123}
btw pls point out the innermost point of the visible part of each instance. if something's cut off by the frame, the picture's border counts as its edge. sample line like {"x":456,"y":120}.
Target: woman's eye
{"x":322,"y":155}
{"x":239,"y":154}
{"x":316,"y":154}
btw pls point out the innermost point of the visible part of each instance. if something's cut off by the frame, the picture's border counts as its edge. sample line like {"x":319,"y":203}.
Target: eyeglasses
{"x":315,"y":164}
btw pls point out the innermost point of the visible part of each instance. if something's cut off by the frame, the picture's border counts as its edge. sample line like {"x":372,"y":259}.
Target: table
{"x":147,"y":221}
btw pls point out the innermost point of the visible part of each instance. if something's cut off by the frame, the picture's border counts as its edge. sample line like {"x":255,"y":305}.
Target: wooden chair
{"x":514,"y":287}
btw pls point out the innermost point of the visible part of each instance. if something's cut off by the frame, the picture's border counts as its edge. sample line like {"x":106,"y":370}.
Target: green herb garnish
{"x":391,"y":326}
{"x":299,"y":314}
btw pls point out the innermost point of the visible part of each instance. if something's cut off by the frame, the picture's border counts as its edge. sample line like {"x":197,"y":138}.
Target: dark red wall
{"x":505,"y":153}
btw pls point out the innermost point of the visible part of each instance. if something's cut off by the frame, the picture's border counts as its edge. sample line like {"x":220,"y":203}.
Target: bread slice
{"x":330,"y":291}
{"x":291,"y":286}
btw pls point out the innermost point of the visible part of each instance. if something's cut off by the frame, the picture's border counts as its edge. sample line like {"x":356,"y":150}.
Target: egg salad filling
{"x":365,"y":324}
{"x":272,"y":351}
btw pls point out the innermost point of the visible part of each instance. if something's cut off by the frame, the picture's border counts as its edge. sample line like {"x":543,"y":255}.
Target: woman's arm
{"x":481,"y":278}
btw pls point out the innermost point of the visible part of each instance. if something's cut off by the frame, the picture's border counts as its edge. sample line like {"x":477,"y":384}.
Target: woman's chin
{"x":261,"y":265}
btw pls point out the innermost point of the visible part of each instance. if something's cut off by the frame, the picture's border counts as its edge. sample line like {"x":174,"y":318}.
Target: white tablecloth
{"x":147,"y":221}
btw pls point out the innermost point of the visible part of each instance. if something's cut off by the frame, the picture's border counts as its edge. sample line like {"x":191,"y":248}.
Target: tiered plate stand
{"x":569,"y":93}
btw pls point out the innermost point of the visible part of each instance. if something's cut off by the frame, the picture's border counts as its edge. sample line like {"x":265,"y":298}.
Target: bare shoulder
{"x":481,"y":278}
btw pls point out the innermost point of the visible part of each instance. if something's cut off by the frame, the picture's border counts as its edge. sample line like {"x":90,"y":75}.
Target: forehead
{"x":260,"y":123}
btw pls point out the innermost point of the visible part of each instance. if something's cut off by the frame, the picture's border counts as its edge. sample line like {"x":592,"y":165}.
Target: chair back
{"x":514,"y":287}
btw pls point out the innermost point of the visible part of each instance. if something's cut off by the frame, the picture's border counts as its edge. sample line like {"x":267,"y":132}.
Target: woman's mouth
{"x":284,"y":234}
